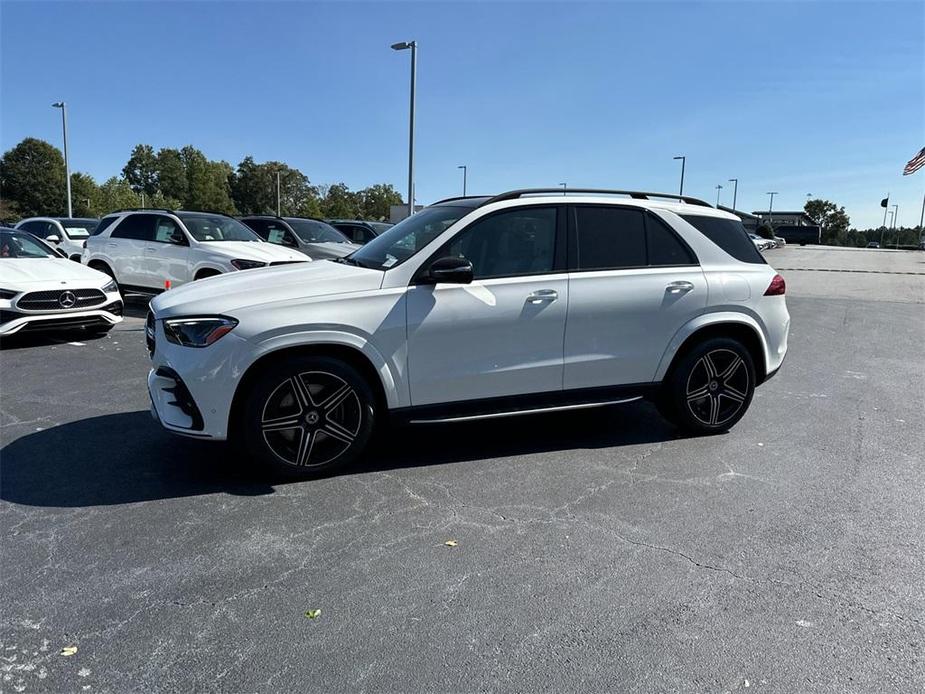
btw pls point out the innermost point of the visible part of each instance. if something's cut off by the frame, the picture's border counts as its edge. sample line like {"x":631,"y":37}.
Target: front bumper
{"x":14,"y":321}
{"x":192,"y":389}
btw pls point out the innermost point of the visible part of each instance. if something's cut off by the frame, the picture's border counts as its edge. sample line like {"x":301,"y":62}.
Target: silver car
{"x":315,"y":238}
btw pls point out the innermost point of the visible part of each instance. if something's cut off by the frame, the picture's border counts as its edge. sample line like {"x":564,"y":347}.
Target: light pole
{"x":403,"y":46}
{"x":465,"y":171}
{"x":735,"y":191}
{"x":683,"y":163}
{"x":771,"y":208}
{"x":895,"y":224}
{"x":564,"y":188}
{"x":277,"y":196}
{"x":719,"y":187}
{"x":67,"y":169}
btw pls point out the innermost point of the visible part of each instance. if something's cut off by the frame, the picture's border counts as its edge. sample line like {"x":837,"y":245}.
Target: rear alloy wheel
{"x":308,"y":416}
{"x":710,"y":389}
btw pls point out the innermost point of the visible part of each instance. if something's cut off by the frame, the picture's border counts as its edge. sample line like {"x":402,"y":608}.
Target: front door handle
{"x":679,"y":287}
{"x":542,"y":295}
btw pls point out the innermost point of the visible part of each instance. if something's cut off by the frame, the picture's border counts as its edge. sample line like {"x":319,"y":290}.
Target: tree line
{"x":32,"y":183}
{"x":837,"y":230}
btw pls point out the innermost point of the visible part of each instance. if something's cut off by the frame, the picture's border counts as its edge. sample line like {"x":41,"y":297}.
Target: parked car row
{"x":763,"y":244}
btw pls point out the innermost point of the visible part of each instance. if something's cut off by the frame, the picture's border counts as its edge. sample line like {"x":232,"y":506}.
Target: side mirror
{"x":451,"y":270}
{"x":177,"y":238}
{"x":289,"y":242}
{"x":53,"y":238}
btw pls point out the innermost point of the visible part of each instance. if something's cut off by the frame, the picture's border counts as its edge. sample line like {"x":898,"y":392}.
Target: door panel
{"x":491,"y":338}
{"x":166,"y":260}
{"x":620,"y":321}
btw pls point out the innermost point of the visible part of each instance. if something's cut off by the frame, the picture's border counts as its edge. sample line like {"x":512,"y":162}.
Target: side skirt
{"x":514,"y":406}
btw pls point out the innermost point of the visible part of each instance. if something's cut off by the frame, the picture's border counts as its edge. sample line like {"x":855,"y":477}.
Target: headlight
{"x":7,"y":293}
{"x":197,"y":332}
{"x":111,"y":286}
{"x":246,"y":264}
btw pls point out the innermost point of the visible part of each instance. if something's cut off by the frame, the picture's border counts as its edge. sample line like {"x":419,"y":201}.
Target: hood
{"x":22,"y":271}
{"x":330,"y":249}
{"x":237,"y":290}
{"x":252,"y":250}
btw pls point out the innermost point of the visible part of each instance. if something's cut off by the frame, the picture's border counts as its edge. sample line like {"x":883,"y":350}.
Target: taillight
{"x":777,"y":287}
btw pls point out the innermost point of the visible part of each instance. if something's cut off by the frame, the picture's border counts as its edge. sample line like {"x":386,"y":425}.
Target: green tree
{"x":253,"y":189}
{"x":833,"y":220}
{"x":377,"y":200}
{"x":171,"y":174}
{"x":84,"y":195}
{"x":141,"y":170}
{"x":339,"y":202}
{"x":33,"y":179}
{"x":115,"y":194}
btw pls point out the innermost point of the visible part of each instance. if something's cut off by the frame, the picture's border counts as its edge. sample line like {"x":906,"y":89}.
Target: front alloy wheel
{"x":312,"y":414}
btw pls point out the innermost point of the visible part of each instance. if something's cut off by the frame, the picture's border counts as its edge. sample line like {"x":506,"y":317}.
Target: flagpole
{"x":922,"y":219}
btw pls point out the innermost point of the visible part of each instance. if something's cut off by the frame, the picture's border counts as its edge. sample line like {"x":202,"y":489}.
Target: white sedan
{"x":40,"y":290}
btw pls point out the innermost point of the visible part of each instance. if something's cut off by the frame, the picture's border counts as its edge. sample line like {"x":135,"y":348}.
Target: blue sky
{"x":796,"y":97}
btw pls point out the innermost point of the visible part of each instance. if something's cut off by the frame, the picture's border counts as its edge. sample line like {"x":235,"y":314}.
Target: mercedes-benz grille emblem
{"x":67,"y":299}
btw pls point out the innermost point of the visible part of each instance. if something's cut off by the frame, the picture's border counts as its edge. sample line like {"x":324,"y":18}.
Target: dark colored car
{"x":314,"y":237}
{"x":359,"y":231}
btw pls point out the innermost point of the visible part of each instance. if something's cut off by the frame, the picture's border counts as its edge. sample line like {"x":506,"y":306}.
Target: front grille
{"x":149,"y":333}
{"x":65,"y":323}
{"x":61,"y":300}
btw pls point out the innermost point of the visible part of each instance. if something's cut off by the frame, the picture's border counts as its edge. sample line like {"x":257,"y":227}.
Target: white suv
{"x":143,"y":250}
{"x":472,"y":308}
{"x":63,"y":233}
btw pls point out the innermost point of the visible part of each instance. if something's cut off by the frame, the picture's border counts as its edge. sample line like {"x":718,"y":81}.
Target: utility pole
{"x":465,"y":171}
{"x":683,"y":163}
{"x":67,"y":169}
{"x":771,"y":208}
{"x":735,"y":191}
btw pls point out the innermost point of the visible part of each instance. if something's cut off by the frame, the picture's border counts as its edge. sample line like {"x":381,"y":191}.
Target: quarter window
{"x":728,"y":234}
{"x":610,"y":237}
{"x":517,"y":242}
{"x":139,"y":227}
{"x":664,"y":246}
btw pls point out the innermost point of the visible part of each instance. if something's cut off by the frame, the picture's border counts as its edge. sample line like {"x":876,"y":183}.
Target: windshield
{"x":406,"y":238}
{"x":313,"y":231}
{"x":206,"y":227}
{"x":79,"y":228}
{"x":19,"y":245}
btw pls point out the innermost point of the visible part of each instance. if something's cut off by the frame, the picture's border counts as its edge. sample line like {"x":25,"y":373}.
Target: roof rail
{"x":460,"y":197}
{"x":635,"y":194}
{"x":141,"y":209}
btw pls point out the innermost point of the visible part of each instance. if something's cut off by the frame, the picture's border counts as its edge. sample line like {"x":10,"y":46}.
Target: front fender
{"x":705,"y":320}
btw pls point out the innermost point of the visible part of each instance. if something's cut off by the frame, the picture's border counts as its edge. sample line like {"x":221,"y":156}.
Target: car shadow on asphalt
{"x":126,"y":458}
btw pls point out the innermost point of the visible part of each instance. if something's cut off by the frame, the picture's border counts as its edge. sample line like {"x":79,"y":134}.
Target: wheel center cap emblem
{"x":312,"y":417}
{"x":67,"y":299}
{"x":713,"y":385}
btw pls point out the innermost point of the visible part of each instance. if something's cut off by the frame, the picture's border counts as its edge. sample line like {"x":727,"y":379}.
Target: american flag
{"x":916,"y":163}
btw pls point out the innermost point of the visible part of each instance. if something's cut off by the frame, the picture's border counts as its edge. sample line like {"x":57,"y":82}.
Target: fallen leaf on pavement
{"x":68,"y":650}
{"x":312,"y":614}
{"x":451,"y":543}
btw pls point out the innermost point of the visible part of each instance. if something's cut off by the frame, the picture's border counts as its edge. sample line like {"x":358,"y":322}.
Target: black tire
{"x":336,"y":410}
{"x":710,"y":388}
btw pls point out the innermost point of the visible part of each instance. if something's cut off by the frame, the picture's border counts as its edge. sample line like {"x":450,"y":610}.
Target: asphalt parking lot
{"x":595,"y":551}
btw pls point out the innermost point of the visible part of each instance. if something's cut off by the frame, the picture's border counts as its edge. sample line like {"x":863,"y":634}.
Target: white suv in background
{"x":67,"y":234}
{"x":472,"y":308}
{"x":142,"y":250}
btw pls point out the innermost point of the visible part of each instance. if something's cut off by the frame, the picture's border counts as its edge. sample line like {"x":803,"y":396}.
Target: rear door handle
{"x":111,"y":245}
{"x":679,"y":287}
{"x":542,"y":295}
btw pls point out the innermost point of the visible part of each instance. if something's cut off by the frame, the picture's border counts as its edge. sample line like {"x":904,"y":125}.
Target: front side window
{"x":516,"y":242}
{"x":167,"y":231}
{"x":610,"y":237}
{"x":138,"y":227}
{"x":406,"y":238}
{"x":104,"y":224}
{"x":208,"y":227}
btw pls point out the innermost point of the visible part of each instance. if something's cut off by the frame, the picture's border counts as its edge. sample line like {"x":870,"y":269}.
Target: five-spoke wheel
{"x":710,"y":387}
{"x":308,"y":415}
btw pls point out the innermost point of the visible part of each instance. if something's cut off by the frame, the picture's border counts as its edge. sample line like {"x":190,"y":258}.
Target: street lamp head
{"x":461,"y":166}
{"x":680,"y":157}
{"x":403,"y":45}
{"x":733,"y":180}
{"x":58,"y":104}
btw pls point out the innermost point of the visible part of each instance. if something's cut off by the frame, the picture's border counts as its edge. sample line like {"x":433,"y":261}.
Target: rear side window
{"x":729,"y":235}
{"x":104,"y":224}
{"x":610,"y":237}
{"x":665,"y":248}
{"x":139,"y":227}
{"x":258,"y":226}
